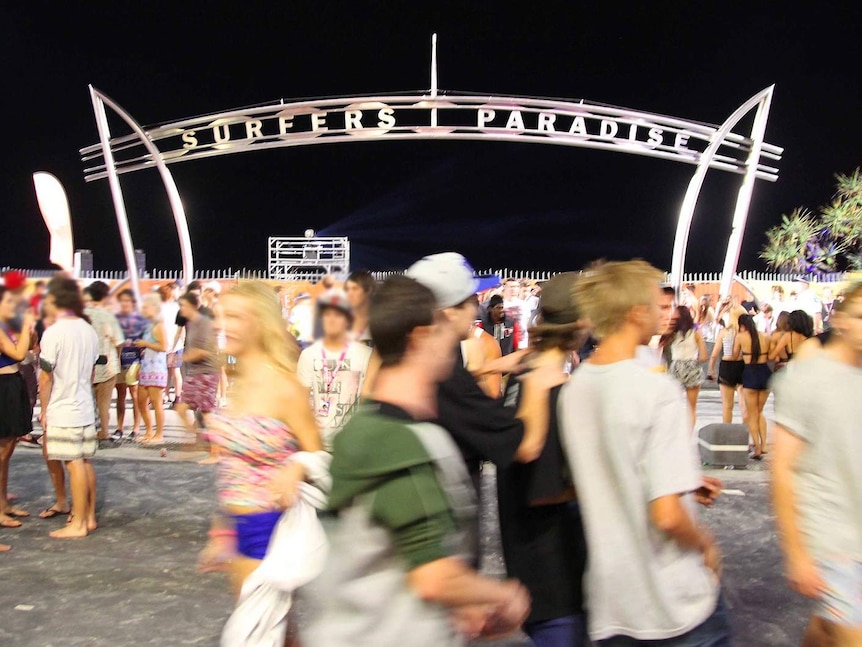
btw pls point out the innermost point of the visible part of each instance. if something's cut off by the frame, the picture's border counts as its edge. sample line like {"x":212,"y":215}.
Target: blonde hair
{"x":279,"y":345}
{"x":152,"y":299}
{"x":606,"y":293}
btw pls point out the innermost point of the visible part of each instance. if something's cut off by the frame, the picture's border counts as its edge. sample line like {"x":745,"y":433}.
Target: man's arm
{"x":801,"y":570}
{"x":46,"y":385}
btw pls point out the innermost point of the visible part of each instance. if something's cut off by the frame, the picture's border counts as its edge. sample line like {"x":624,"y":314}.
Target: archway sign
{"x":445,"y":116}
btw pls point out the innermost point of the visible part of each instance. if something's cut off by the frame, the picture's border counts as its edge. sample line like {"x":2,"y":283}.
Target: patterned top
{"x":134,"y":326}
{"x":252,"y":448}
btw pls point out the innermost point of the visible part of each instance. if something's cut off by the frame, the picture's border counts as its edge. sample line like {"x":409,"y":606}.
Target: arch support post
{"x":762,"y":101}
{"x":116,"y":192}
{"x":100,"y":100}
{"x":743,"y":199}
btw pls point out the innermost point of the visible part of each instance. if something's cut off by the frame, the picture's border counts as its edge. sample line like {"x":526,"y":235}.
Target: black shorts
{"x":730,"y":372}
{"x":756,"y":377}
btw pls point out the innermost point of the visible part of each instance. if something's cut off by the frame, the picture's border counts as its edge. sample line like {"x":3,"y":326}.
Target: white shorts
{"x":842,"y":601}
{"x":70,"y":443}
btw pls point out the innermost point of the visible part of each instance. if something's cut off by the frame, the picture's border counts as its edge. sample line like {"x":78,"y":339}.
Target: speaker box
{"x":724,"y":445}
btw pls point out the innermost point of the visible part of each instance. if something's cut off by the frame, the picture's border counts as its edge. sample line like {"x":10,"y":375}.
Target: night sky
{"x":501,"y":204}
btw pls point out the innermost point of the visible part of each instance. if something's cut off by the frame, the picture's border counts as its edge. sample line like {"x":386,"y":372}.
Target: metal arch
{"x":762,"y":100}
{"x":116,"y":191}
{"x":99,"y":101}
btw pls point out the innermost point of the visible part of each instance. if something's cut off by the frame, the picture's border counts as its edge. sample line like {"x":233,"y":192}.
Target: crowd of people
{"x":348,"y":469}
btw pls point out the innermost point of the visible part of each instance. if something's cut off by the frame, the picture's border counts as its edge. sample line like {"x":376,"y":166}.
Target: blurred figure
{"x":687,"y":353}
{"x":335,"y":369}
{"x":268,"y":421}
{"x":200,"y":357}
{"x":16,"y":413}
{"x":653,"y":575}
{"x":481,"y":426}
{"x":540,"y":524}
{"x":817,"y":478}
{"x":765,"y":320}
{"x":730,"y":368}
{"x":134,"y":326}
{"x":174,"y":331}
{"x":400,"y":541}
{"x":153,"y":378}
{"x":110,"y":342}
{"x":360,"y":287}
{"x":800,"y":327}
{"x":503,"y":327}
{"x":753,"y":347}
{"x":69,"y":351}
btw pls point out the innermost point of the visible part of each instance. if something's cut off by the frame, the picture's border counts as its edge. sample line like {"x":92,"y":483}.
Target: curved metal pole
{"x":167,"y":179}
{"x":686,"y":213}
{"x":743,"y":199}
{"x":116,"y":192}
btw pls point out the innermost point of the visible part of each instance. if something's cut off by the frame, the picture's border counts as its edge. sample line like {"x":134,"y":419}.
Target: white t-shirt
{"x":335,"y":385}
{"x":627,"y":436}
{"x":170,"y":310}
{"x":110,"y":336}
{"x":828,"y":473}
{"x":71,"y":347}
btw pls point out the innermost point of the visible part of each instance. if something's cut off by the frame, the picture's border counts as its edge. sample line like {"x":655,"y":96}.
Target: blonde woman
{"x":153,"y":377}
{"x":267,"y":421}
{"x":730,"y":369}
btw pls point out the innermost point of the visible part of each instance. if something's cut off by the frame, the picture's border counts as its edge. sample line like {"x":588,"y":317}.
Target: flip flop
{"x":50,"y":513}
{"x":17,"y":514}
{"x":9,"y":523}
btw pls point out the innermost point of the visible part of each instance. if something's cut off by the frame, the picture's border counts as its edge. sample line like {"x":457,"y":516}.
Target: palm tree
{"x":807,"y":243}
{"x":842,"y":220}
{"x":791,"y":244}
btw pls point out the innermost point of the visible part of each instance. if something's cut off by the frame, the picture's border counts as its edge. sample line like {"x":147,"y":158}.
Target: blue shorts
{"x":842,"y":602}
{"x":253,"y":532}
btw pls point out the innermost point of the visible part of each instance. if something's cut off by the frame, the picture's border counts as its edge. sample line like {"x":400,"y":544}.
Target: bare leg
{"x":727,"y":394}
{"x":182,"y":409}
{"x":77,"y":526}
{"x":103,"y":402}
{"x":7,"y":511}
{"x":136,"y":408}
{"x":91,"y":498}
{"x":58,"y":480}
{"x":692,"y":403}
{"x":158,"y":409}
{"x":121,"y":404}
{"x":143,"y":400}
{"x":761,"y":419}
{"x":752,"y":418}
{"x":743,"y":408}
{"x":818,"y":634}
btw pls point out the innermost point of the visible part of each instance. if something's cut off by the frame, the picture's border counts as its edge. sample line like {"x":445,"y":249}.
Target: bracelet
{"x":214,"y":534}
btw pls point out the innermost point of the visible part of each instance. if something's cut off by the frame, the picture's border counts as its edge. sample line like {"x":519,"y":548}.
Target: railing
{"x":505,"y":273}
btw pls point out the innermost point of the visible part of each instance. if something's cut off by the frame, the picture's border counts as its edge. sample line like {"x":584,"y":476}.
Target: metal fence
{"x":505,"y":273}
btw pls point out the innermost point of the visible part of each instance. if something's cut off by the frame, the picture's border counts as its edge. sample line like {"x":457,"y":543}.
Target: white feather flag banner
{"x":55,"y":211}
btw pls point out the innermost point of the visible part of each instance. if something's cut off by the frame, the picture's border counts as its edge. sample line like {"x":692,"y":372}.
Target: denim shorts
{"x":842,"y":601}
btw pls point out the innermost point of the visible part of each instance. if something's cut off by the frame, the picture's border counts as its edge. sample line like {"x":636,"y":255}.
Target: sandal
{"x":10,"y":523}
{"x":50,"y":513}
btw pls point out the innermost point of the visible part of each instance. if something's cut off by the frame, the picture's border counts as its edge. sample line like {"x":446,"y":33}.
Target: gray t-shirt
{"x":818,"y":400}
{"x":200,"y":334}
{"x":627,"y":435}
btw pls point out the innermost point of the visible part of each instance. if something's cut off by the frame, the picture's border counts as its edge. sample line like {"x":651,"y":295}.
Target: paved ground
{"x":133,"y":582}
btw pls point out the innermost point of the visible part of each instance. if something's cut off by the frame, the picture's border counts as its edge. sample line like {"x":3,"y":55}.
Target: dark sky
{"x":512,"y":205}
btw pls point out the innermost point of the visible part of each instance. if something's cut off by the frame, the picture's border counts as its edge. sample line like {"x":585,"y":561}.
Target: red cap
{"x":14,"y":280}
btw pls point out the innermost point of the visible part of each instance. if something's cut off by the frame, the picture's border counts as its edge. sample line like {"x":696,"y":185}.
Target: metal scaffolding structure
{"x":308,"y":259}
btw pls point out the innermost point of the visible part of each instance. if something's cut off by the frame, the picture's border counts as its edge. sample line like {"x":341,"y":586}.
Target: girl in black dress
{"x":16,"y":415}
